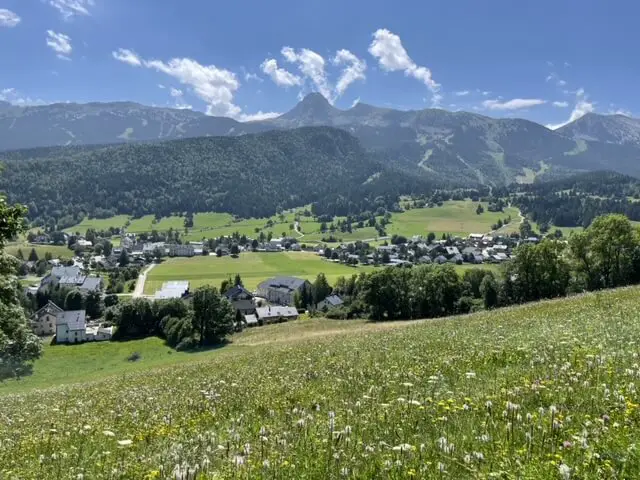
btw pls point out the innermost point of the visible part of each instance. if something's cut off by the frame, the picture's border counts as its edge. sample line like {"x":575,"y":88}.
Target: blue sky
{"x":548,"y":61}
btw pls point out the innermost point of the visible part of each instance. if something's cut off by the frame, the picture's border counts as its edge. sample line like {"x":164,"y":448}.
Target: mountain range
{"x":473,"y":148}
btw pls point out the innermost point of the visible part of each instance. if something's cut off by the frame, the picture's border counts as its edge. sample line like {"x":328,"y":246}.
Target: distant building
{"x":84,"y":243}
{"x":174,"y":289}
{"x":282,"y":290}
{"x":176,"y":250}
{"x":44,"y":320}
{"x":71,"y":277}
{"x":274,"y":314}
{"x":241,"y":299}
{"x":71,"y":327}
{"x":329,"y":302}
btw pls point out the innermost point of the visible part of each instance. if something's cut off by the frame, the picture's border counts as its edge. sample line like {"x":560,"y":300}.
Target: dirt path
{"x":498,"y":230}
{"x":142,"y":278}
{"x":296,"y":227}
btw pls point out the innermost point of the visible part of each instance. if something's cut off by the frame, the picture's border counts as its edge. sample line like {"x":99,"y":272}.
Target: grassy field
{"x":253,"y":267}
{"x":543,"y":391}
{"x":454,"y":217}
{"x":98,"y":224}
{"x":55,"y":250}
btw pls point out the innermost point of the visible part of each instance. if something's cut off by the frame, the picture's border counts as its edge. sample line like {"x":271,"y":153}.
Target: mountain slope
{"x":250,"y":176}
{"x":431,"y":143}
{"x":618,"y":129}
{"x":103,"y":123}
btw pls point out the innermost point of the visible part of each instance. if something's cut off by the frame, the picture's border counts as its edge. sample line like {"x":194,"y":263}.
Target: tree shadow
{"x":209,"y":348}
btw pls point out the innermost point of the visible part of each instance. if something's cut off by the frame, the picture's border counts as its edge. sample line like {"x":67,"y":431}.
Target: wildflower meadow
{"x":542,"y":391}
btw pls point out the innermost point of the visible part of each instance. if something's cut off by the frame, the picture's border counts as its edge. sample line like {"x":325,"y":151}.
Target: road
{"x":296,"y":227}
{"x":142,"y":278}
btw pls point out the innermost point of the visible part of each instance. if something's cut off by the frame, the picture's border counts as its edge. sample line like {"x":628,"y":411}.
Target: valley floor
{"x":545,"y":390}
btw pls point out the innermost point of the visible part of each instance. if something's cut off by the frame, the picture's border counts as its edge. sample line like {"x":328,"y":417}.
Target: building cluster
{"x":68,"y":326}
{"x":474,"y":249}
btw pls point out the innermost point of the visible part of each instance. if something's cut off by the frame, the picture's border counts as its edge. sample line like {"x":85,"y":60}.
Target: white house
{"x":71,"y":327}
{"x":44,"y":320}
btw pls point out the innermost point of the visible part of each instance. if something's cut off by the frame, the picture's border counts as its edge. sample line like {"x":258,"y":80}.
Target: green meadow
{"x":453,"y":217}
{"x":253,"y":267}
{"x":540,"y":391}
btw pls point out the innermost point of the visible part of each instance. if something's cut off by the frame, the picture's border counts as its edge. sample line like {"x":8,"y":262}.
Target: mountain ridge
{"x":426,"y":142}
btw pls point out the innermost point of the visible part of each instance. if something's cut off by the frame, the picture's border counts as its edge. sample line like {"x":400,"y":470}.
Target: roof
{"x":60,"y":272}
{"x":75,"y":319}
{"x":288,"y":283}
{"x":72,"y":280}
{"x":243,"y":305}
{"x":91,"y":284}
{"x":235,"y":291}
{"x":333,"y":300}
{"x":173,"y":289}
{"x":274,"y":312}
{"x":251,"y":319}
{"x":50,"y":307}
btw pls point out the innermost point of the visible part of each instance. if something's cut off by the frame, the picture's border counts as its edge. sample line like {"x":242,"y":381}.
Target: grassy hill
{"x":542,"y":391}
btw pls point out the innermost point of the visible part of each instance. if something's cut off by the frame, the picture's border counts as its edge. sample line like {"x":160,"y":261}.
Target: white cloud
{"x":280,"y":76}
{"x":161,"y":86}
{"x":254,"y":117}
{"x":561,"y":104}
{"x":183,"y":106}
{"x":515,"y":104}
{"x":175,"y":92}
{"x":14,"y":97}
{"x":69,"y":8}
{"x":462,"y":93}
{"x":354,"y":70}
{"x":312,"y":66}
{"x":387,"y":48}
{"x":581,"y":108}
{"x":59,"y":43}
{"x":128,"y":56}
{"x":355,"y":102}
{"x":553,"y":77}
{"x":215,"y":86}
{"x":252,"y":76}
{"x":8,"y":18}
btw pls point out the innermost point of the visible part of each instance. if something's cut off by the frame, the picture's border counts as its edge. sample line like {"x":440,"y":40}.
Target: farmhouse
{"x":71,"y":277}
{"x":44,"y":320}
{"x":282,"y":290}
{"x":272,"y":314}
{"x":71,"y":327}
{"x":241,"y":299}
{"x":330,"y":301}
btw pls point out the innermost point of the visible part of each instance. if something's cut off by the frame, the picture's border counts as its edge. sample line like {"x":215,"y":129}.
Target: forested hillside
{"x":576,"y":200}
{"x":249,"y":176}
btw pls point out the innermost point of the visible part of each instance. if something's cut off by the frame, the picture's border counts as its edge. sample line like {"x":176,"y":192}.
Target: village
{"x":273,"y":300}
